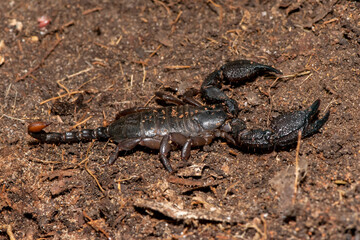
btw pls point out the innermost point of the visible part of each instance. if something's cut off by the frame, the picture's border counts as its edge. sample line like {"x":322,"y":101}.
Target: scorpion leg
{"x":164,"y":151}
{"x":165,"y":147}
{"x":123,"y":146}
{"x":233,"y":72}
{"x":185,"y":142}
{"x":187,"y":98}
{"x":129,"y":144}
{"x":131,"y":111}
{"x":169,"y":98}
{"x":188,"y":142}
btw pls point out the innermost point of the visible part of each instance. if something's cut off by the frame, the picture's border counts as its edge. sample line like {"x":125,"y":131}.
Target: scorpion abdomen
{"x":187,"y":119}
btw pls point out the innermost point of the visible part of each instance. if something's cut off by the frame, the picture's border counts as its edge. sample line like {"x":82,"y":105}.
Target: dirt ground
{"x":96,"y":58}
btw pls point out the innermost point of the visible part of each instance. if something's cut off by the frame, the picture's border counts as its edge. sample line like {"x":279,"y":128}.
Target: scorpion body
{"x":191,"y":124}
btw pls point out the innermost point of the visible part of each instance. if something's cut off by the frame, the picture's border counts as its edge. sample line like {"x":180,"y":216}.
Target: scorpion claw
{"x":232,"y":72}
{"x":242,"y":70}
{"x":316,"y":125}
{"x":285,"y":129}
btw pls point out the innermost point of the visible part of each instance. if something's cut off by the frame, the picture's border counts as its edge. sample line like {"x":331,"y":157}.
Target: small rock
{"x":253,"y":99}
{"x":34,"y":39}
{"x":2,"y":45}
{"x":15,"y":23}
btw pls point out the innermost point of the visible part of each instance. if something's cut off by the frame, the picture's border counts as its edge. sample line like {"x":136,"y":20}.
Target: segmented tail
{"x":35,"y":130}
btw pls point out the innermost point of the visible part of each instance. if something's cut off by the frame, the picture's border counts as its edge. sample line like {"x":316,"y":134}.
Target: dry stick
{"x":154,"y":52}
{"x":91,"y":10}
{"x":61,"y":96}
{"x":13,"y":118}
{"x":177,"y":67}
{"x":41,"y":62}
{"x":330,"y":21}
{"x":265,"y":227}
{"x":88,"y":170}
{"x":63,"y":86}
{"x":65,"y":25}
{"x":96,"y":180}
{"x":89,"y":81}
{"x":76,"y":74}
{"x":80,"y":123}
{"x":177,"y":18}
{"x":71,"y":76}
{"x":231,"y":187}
{"x":296,"y":167}
{"x":8,"y":231}
{"x":147,"y":103}
{"x":254,"y":226}
{"x":164,"y":5}
{"x":295,"y":75}
{"x":144,"y":77}
{"x":93,"y":224}
{"x":218,"y":6}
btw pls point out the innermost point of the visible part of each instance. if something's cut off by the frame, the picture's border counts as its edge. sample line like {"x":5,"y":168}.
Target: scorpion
{"x":191,"y":124}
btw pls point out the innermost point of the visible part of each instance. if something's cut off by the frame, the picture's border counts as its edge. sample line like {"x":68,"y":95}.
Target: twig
{"x":13,"y":118}
{"x":61,"y":96}
{"x":265,"y":227}
{"x":154,"y":52}
{"x":65,"y":25}
{"x":218,"y":6}
{"x":177,"y":18}
{"x":91,"y":174}
{"x":57,"y":42}
{"x":177,"y":67}
{"x":44,"y":161}
{"x":8,"y":229}
{"x":86,"y":12}
{"x":89,"y":81}
{"x":78,"y":124}
{"x":93,"y":224}
{"x":173,"y":211}
{"x":297,"y":167}
{"x":63,"y":86}
{"x":144,"y":77}
{"x":330,"y":21}
{"x":164,"y":5}
{"x":147,"y":103}
{"x":153,"y":96}
{"x":298,"y":74}
{"x":230,"y":187}
{"x":145,"y":62}
{"x":76,"y":74}
{"x":330,"y":103}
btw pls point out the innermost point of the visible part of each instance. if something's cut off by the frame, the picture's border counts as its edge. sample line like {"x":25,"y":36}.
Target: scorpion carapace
{"x":191,"y":124}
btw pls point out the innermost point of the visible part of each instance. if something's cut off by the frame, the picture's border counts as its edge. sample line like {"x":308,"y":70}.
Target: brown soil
{"x":105,"y":56}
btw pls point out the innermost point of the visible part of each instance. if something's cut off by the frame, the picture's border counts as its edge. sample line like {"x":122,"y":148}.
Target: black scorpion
{"x":190,"y":124}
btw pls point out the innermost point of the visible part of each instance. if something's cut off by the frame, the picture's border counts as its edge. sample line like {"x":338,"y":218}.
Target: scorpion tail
{"x":35,"y":130}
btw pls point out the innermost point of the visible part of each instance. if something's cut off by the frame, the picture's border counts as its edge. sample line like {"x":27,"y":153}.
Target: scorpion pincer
{"x":190,"y":124}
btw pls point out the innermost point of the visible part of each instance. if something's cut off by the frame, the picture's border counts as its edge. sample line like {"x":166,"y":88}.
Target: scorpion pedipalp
{"x":234,"y":72}
{"x":285,"y":129}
